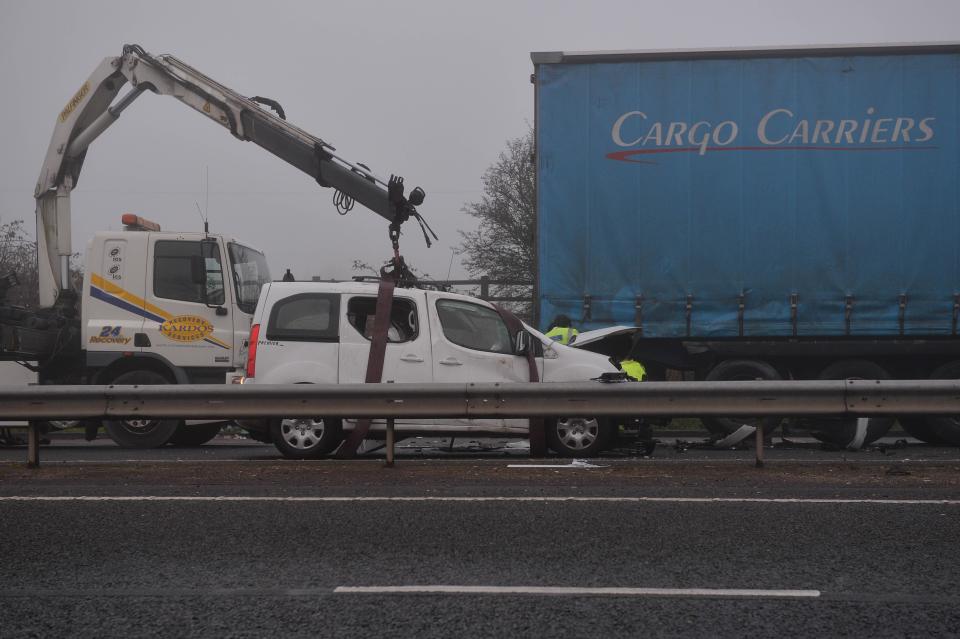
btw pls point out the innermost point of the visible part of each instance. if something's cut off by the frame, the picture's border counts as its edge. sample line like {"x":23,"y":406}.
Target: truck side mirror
{"x":521,"y":344}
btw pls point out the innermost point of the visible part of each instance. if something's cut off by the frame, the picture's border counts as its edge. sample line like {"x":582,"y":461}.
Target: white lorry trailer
{"x":160,"y":307}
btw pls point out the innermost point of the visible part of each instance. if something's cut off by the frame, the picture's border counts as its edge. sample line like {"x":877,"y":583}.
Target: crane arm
{"x":93,"y":109}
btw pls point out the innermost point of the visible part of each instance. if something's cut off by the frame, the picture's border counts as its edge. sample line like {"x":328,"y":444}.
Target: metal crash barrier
{"x":479,"y":400}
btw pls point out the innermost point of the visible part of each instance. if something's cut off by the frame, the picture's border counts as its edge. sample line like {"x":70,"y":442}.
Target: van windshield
{"x":250,"y":273}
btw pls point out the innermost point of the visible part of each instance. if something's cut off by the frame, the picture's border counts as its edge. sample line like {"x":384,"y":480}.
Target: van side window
{"x":307,"y":317}
{"x":173,"y":277}
{"x":362,"y":312}
{"x":474,"y":326}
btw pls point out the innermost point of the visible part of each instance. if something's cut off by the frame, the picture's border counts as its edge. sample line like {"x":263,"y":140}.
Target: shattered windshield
{"x":250,"y":273}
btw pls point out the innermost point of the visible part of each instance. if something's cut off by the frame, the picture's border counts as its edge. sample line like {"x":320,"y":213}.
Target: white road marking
{"x":563,"y":590}
{"x":736,"y":458}
{"x":627,"y":500}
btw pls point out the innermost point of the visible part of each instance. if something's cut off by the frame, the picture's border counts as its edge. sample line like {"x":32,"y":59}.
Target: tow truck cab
{"x":177,"y":302}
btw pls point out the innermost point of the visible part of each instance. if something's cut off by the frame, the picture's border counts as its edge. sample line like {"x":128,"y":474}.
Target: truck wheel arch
{"x":152,"y":363}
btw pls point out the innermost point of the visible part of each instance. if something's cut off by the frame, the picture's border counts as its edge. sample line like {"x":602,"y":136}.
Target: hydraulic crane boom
{"x":92,"y":110}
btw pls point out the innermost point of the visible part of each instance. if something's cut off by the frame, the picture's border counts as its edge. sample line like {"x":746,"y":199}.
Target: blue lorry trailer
{"x":755,"y":213}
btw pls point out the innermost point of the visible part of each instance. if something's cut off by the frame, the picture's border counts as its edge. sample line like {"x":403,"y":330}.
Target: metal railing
{"x":485,"y":283}
{"x":480,"y":400}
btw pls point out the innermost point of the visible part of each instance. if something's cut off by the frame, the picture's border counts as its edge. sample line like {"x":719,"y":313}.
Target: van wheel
{"x":577,"y":436}
{"x":741,"y":370}
{"x":141,"y":433}
{"x":306,"y":438}
{"x":197,"y":435}
{"x":853,"y":431}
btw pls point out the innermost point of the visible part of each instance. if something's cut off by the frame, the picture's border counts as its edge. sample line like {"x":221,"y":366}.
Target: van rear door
{"x":298,"y":338}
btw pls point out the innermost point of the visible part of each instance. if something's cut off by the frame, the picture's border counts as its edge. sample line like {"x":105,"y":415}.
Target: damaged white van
{"x":320,"y":333}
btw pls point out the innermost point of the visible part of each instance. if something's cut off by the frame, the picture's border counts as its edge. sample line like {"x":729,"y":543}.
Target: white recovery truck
{"x":160,"y":307}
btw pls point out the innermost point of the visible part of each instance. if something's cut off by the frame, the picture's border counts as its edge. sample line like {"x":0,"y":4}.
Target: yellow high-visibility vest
{"x":634,"y":369}
{"x":563,"y":335}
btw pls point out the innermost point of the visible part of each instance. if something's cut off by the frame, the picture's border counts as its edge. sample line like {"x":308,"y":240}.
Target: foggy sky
{"x":430,"y":90}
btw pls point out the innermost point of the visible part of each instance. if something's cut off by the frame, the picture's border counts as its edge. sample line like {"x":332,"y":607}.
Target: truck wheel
{"x":577,"y":436}
{"x":918,"y":426}
{"x":141,"y":433}
{"x":741,"y":370}
{"x":196,"y":435}
{"x":946,"y":428}
{"x":843,"y":431}
{"x":306,"y":438}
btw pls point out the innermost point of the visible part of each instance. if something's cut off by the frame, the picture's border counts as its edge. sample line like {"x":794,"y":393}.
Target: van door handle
{"x":451,"y":361}
{"x":411,"y":358}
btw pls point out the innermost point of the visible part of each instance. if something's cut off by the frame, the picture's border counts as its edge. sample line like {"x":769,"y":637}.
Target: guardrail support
{"x":758,"y":447}
{"x":33,"y":446}
{"x":391,"y":439}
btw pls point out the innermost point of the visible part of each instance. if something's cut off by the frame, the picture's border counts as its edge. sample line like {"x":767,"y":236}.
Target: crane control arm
{"x":95,"y":107}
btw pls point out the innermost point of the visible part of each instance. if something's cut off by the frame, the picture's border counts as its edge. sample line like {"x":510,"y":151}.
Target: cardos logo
{"x":186,"y":328}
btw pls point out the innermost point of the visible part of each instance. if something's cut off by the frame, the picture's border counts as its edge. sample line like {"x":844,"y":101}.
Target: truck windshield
{"x":250,"y":272}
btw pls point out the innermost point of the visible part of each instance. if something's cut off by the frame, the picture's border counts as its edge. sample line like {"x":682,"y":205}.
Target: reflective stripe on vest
{"x":564,"y":335}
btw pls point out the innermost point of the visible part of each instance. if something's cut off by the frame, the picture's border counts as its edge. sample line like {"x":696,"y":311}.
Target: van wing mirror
{"x":521,"y":344}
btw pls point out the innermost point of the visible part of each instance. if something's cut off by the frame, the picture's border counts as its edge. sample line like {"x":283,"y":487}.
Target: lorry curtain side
{"x":681,"y":189}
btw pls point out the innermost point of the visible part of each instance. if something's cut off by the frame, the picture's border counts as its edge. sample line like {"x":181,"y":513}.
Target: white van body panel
{"x":443,"y":350}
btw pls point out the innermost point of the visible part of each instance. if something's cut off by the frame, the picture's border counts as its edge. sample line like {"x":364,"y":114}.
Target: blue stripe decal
{"x":209,"y":341}
{"x":127,"y":306}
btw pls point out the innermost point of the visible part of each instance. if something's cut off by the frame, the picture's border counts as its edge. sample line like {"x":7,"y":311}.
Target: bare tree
{"x":502,"y":247}
{"x":18,"y":255}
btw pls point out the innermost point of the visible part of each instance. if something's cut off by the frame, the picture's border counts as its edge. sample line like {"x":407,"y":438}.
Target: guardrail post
{"x":390,"y":441}
{"x":33,"y":445}
{"x":758,"y":447}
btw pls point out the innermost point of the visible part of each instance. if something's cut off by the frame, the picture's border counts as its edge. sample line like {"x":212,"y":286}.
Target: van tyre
{"x":141,"y":433}
{"x":946,"y":428}
{"x":917,"y":426}
{"x":843,"y":431}
{"x":305,"y":437}
{"x":196,"y":435}
{"x":741,"y":370}
{"x":577,"y":436}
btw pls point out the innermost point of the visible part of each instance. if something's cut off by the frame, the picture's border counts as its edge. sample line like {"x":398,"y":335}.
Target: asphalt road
{"x":695,"y":543}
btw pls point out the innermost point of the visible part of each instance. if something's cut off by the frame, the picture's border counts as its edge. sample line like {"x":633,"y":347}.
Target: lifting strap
{"x":378,"y":352}
{"x":538,"y":435}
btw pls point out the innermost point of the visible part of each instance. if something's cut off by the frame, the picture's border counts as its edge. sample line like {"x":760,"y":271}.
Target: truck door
{"x":407,"y":358}
{"x":192,"y":323}
{"x":471,"y":343}
{"x":113,"y":303}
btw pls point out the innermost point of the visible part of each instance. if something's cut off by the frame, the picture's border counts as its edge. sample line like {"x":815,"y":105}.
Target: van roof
{"x":362,"y":288}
